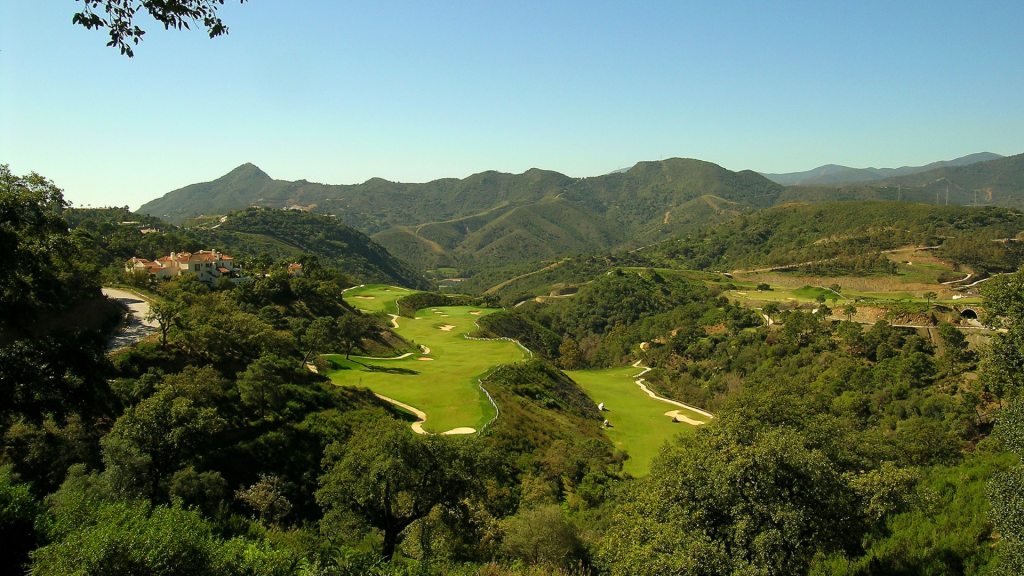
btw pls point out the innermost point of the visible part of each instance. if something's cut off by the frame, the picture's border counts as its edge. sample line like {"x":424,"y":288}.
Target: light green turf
{"x":376,"y":297}
{"x":445,"y":388}
{"x":639,"y":424}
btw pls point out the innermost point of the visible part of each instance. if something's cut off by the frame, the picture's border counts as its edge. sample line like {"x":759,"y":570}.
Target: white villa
{"x":207,"y":265}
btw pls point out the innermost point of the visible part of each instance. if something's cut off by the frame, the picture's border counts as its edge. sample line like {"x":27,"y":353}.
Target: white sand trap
{"x":678,"y":416}
{"x":476,"y":312}
{"x":417,"y":427}
{"x":387,"y":289}
{"x":447,"y":327}
{"x":444,"y":315}
{"x":365,"y":297}
{"x":433,"y":309}
{"x":417,"y":318}
{"x":425,"y":359}
{"x":425,"y":349}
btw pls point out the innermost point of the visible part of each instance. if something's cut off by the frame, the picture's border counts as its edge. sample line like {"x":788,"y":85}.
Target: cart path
{"x":673,"y":413}
{"x":138,"y":327}
{"x":417,"y":427}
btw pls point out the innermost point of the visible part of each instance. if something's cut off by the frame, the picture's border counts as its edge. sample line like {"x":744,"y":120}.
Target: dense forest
{"x":215,"y":449}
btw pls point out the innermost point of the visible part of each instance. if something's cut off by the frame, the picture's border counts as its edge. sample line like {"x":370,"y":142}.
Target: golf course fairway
{"x":638,"y":422}
{"x":445,"y":387}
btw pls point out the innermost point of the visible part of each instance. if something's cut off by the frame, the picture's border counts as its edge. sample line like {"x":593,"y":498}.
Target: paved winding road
{"x":138,"y":327}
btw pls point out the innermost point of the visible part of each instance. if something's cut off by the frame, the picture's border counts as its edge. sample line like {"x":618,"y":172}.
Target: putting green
{"x":638,"y":422}
{"x":445,"y":387}
{"x":376,"y":297}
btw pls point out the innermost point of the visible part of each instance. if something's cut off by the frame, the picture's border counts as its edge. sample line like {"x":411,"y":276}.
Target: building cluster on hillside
{"x":206,"y":265}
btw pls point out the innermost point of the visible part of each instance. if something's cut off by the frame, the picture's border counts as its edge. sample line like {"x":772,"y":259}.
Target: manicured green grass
{"x":376,"y":297}
{"x":812,"y":292}
{"x":639,"y":424}
{"x":445,"y":388}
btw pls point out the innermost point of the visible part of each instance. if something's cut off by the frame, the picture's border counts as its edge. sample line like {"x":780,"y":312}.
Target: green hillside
{"x":847,"y":233}
{"x":495,"y":217}
{"x":292,"y":233}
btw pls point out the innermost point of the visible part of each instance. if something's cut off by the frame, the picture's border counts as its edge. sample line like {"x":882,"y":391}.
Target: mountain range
{"x":498,"y":218}
{"x":835,"y":174}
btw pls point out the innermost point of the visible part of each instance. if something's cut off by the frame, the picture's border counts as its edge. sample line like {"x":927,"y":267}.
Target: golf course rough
{"x":444,"y":388}
{"x":639,"y":424}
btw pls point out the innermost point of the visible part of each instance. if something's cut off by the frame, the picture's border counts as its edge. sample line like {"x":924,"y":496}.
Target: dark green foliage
{"x":291,"y":233}
{"x":546,"y":386}
{"x":120,"y":21}
{"x":90,"y":536}
{"x":43,"y":270}
{"x":509,"y":324}
{"x":18,"y":509}
{"x":389,"y":477}
{"x":408,"y":305}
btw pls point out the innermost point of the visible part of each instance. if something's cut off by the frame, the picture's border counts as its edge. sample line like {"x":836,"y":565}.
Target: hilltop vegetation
{"x":498,"y":218}
{"x":849,"y":234}
{"x":258,"y":237}
{"x":493,"y":219}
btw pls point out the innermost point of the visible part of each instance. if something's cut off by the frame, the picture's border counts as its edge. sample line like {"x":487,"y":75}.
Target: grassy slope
{"x":639,"y":424}
{"x":445,"y":388}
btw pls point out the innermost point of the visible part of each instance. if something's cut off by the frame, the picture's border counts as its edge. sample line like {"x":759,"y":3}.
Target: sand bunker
{"x":364,"y":297}
{"x":425,"y":359}
{"x":425,"y":349}
{"x":447,"y":327}
{"x":463,"y":430}
{"x":475,"y":312}
{"x":677,"y":416}
{"x":444,"y":315}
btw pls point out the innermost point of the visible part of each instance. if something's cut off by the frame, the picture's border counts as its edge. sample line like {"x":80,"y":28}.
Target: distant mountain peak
{"x":247,"y":171}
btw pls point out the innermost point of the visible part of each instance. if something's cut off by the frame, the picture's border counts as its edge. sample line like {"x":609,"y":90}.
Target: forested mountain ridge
{"x":501,"y":219}
{"x":496,"y":216}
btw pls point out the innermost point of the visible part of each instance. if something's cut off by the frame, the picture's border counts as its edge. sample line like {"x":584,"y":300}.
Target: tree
{"x":1002,"y":368}
{"x":352,"y":330}
{"x":763,"y":286}
{"x":823,"y":312}
{"x":166,"y":314}
{"x":850,"y":311}
{"x":267,"y":498}
{"x":321,"y":334}
{"x":763,"y":505}
{"x":1006,"y":492}
{"x":389,"y":477}
{"x":771,"y":309}
{"x":120,"y":18}
{"x":570,"y":357}
{"x":929,"y":296}
{"x":260,"y":385}
{"x":836,"y":288}
{"x":954,"y":344}
{"x":820,"y":299}
{"x":153,"y":439}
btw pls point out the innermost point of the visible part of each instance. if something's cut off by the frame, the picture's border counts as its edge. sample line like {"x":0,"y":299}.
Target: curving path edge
{"x":672,"y":413}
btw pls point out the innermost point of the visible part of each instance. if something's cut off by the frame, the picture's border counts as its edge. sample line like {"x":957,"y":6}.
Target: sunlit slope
{"x":442,"y":383}
{"x":638,"y":422}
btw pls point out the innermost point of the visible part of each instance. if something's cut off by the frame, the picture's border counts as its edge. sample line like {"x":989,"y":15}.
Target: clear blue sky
{"x":338,"y":92}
